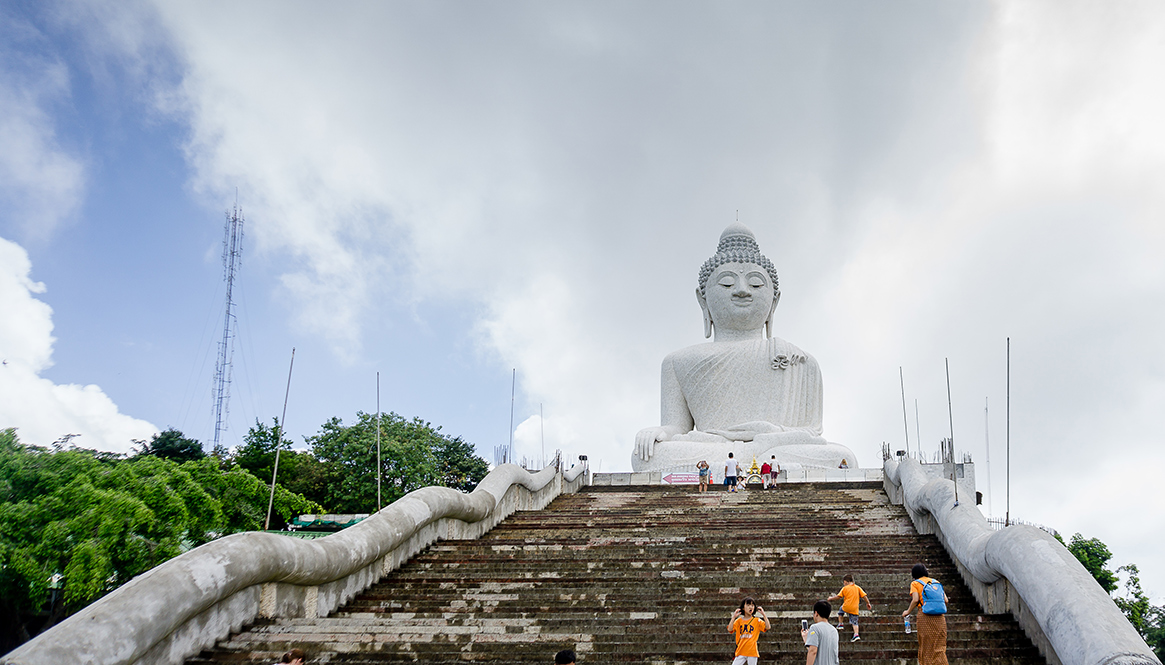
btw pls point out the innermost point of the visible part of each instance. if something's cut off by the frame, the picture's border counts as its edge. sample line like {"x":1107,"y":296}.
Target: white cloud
{"x":43,"y":411}
{"x":41,"y":183}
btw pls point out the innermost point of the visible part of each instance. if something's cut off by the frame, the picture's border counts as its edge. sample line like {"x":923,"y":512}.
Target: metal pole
{"x":513,"y":388}
{"x":1007,"y":515}
{"x":542,"y":432}
{"x":987,"y":443}
{"x":905,"y":422}
{"x":917,"y":436}
{"x":379,"y":467}
{"x":279,"y":442}
{"x":950,"y":415}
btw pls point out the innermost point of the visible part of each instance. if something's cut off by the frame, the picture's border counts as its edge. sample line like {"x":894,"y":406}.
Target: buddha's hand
{"x":646,"y":439}
{"x":747,"y":431}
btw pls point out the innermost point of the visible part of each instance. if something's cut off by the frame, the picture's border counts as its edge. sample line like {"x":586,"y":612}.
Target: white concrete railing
{"x":1022,"y":570}
{"x":186,"y":604}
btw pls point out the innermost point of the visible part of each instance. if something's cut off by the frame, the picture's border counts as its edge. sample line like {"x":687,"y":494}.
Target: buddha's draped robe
{"x":731,"y":383}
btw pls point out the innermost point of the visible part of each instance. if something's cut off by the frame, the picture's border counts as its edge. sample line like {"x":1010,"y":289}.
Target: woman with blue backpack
{"x":927,"y":594}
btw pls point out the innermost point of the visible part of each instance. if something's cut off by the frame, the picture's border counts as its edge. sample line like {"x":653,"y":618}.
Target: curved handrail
{"x":125,"y":624}
{"x":1080,"y":621}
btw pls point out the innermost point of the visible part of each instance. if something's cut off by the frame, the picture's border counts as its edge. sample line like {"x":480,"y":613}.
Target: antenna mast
{"x":232,"y":249}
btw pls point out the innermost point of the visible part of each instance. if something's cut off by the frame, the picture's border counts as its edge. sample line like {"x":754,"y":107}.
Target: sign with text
{"x":681,"y":478}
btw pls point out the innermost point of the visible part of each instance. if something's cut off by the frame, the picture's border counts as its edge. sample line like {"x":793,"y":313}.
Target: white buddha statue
{"x":746,"y":392}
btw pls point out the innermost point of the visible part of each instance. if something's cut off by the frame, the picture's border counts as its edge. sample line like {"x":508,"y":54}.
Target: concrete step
{"x":647,"y":575}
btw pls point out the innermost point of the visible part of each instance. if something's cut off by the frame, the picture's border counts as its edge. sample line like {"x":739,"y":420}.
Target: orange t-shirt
{"x":747,"y":631}
{"x":850,"y":595}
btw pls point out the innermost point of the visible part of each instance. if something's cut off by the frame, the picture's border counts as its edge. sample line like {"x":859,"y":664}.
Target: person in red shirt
{"x":747,"y":623}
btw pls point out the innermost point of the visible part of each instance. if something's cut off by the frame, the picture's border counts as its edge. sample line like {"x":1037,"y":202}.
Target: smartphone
{"x":804,"y":624}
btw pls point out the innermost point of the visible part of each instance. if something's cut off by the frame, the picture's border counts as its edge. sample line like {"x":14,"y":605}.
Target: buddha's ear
{"x":772,"y":310}
{"x":707,"y":315}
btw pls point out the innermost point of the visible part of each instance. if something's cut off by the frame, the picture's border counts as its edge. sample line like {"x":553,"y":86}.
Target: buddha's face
{"x":739,"y":296}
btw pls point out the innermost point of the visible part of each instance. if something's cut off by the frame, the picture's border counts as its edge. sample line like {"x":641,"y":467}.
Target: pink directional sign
{"x":681,"y":478}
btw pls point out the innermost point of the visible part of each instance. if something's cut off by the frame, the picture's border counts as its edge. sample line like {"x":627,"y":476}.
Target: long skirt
{"x":932,"y":639}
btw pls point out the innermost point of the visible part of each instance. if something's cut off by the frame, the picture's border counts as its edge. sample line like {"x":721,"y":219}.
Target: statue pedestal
{"x":793,"y":450}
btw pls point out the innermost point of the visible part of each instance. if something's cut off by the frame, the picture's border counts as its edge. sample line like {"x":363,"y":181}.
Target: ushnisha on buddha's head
{"x":738,"y":289}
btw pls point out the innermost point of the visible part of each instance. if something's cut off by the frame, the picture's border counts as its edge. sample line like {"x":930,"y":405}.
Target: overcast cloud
{"x":928,"y":179}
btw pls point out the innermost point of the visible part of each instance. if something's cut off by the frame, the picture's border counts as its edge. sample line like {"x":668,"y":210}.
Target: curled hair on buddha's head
{"x":737,"y":245}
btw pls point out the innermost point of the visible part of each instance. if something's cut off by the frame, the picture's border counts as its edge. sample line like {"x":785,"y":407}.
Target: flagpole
{"x":950,"y":415}
{"x":379,"y":467}
{"x":279,"y":443}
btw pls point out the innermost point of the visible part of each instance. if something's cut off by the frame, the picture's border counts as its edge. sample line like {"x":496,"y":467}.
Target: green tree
{"x":1146,"y":618}
{"x":172,"y":445}
{"x":300,"y":472}
{"x":257,"y":454}
{"x":309,"y":477}
{"x":97,"y":520}
{"x":1094,"y":555}
{"x":414,"y":454}
{"x":1135,"y":604}
{"x":1155,"y":631}
{"x":244,"y":497}
{"x":458,"y":465}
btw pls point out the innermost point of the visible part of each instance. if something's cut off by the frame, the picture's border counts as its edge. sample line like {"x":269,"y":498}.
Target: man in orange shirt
{"x":747,"y":627}
{"x":850,"y":594}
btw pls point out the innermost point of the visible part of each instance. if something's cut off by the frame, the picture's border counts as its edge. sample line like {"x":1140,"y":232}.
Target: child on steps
{"x":747,"y":627}
{"x":850,"y":596}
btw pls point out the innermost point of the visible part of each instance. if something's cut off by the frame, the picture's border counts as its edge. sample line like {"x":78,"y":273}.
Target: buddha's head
{"x":738,"y":286}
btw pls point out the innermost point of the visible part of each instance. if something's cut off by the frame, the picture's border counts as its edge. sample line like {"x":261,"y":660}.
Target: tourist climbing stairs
{"x":649,"y":574}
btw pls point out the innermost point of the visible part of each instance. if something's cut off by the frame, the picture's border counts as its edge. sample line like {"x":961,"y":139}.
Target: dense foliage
{"x":94,"y":520}
{"x":76,"y":523}
{"x":299,"y":471}
{"x":171,"y":445}
{"x":1148,"y":619}
{"x":339,"y":471}
{"x":1094,"y":555}
{"x":413,"y":454}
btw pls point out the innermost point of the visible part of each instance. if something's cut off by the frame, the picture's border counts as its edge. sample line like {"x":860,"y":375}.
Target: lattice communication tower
{"x":232,"y":249}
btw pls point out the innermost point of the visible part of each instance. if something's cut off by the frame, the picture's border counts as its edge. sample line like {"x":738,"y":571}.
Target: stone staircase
{"x":648,"y":575}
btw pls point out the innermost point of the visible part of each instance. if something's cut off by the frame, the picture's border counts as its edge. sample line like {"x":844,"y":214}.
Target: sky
{"x":453,"y":194}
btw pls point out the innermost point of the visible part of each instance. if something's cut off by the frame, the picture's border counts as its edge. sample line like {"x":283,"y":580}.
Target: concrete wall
{"x":1020,"y":569}
{"x":188,"y":603}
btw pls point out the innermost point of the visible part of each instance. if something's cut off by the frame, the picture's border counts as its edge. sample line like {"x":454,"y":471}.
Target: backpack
{"x":933,"y":598}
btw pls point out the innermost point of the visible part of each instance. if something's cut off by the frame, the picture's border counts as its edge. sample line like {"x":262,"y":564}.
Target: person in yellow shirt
{"x":850,"y":595}
{"x":747,"y":623}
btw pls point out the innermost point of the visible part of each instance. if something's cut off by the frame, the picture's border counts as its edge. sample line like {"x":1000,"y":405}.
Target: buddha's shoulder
{"x":692,"y":353}
{"x":780,"y":345}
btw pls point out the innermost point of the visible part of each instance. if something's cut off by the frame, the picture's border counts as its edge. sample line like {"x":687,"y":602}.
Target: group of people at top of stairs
{"x":821,"y":637}
{"x":734,"y":476}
